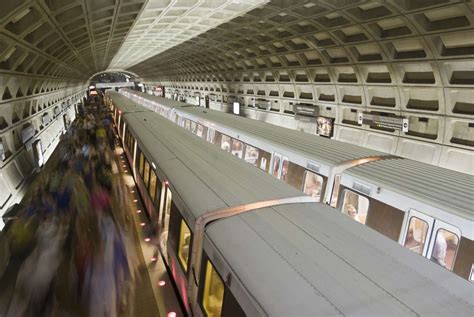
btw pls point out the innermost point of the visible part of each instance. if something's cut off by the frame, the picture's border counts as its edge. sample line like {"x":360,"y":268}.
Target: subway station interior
{"x":214,"y":158}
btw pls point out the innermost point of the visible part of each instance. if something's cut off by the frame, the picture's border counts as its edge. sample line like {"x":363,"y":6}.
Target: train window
{"x":211,"y":136}
{"x":184,"y":244}
{"x":193,"y":127}
{"x":146,"y":173}
{"x":181,"y":122}
{"x":264,"y":159}
{"x":444,"y":249}
{"x":187,"y":125}
{"x":313,"y":184}
{"x":237,"y":148}
{"x":284,"y":168}
{"x":225,"y":143}
{"x":335,"y":191}
{"x":213,"y":296}
{"x":276,"y":165}
{"x":471,"y":275}
{"x":152,"y":188}
{"x":251,"y":155}
{"x":142,"y":163}
{"x":416,"y":235}
{"x":355,"y":206}
{"x":200,"y":131}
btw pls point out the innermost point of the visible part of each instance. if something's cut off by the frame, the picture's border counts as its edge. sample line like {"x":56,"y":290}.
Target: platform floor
{"x":152,"y":297}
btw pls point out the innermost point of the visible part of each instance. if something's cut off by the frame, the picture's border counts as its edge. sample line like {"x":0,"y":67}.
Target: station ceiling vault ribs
{"x":78,"y":38}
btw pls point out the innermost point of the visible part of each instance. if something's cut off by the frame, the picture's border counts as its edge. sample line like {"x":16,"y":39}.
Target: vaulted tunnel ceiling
{"x":163,"y":38}
{"x":301,"y":34}
{"x":77,"y":38}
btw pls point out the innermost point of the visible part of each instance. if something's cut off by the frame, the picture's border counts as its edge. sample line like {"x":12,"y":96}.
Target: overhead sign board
{"x":262,"y":103}
{"x":399,"y":123}
{"x":306,"y":112}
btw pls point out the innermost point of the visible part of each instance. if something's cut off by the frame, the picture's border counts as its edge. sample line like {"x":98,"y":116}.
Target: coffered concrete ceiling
{"x":77,"y":38}
{"x":166,"y":23}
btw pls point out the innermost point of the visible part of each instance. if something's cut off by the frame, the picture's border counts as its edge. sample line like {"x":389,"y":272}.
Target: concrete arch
{"x":111,"y":71}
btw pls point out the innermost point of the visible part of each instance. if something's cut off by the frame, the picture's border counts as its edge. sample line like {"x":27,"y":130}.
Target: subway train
{"x":238,"y":242}
{"x":426,"y":208}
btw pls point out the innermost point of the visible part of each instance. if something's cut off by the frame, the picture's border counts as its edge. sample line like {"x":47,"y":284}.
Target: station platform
{"x":45,"y":243}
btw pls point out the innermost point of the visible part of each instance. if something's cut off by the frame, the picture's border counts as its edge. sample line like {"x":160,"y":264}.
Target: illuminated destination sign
{"x":306,"y":112}
{"x":380,"y":121}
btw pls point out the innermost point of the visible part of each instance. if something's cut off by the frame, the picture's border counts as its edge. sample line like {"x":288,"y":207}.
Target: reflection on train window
{"x":184,"y":244}
{"x":355,"y":206}
{"x":237,"y":148}
{"x":276,"y":165}
{"x":212,"y":134}
{"x":225,"y":143}
{"x":416,"y":235}
{"x":200,"y":130}
{"x":251,"y":155}
{"x":313,"y":184}
{"x":263,"y":164}
{"x":146,"y":173}
{"x":444,"y":249}
{"x":213,"y":296}
{"x":152,"y":187}
{"x":335,"y":191}
{"x":284,"y":168}
{"x":142,"y":162}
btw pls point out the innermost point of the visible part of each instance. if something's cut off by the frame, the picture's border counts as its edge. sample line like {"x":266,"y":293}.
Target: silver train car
{"x":426,"y":208}
{"x":238,"y":242}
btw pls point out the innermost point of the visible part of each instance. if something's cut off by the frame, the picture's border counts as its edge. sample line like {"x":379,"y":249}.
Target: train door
{"x":417,"y":232}
{"x":164,"y":218}
{"x":444,"y":244}
{"x":206,"y":100}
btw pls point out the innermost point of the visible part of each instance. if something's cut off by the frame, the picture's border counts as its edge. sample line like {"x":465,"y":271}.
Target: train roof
{"x":169,"y":104}
{"x":433,"y":185}
{"x":303,"y":259}
{"x":126,"y":105}
{"x":326,"y":150}
{"x":320,"y":263}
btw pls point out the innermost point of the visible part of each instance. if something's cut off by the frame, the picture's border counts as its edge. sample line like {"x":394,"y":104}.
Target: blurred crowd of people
{"x":71,"y":250}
